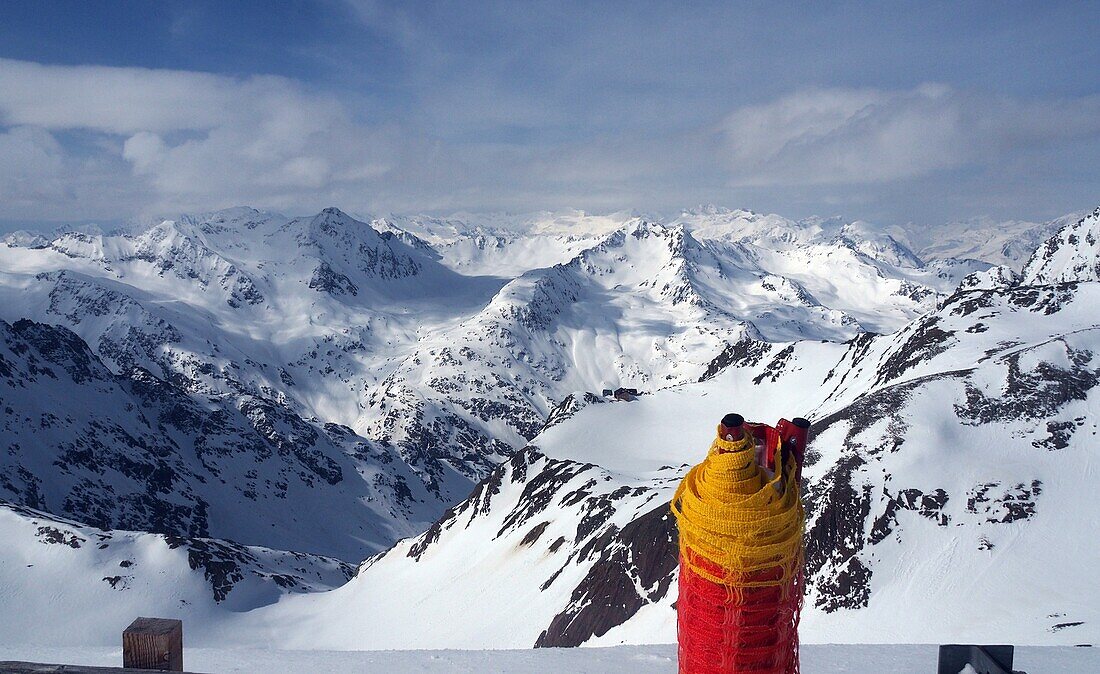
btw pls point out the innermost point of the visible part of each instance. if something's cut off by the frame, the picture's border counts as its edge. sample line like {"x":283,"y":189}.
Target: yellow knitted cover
{"x":734,"y":522}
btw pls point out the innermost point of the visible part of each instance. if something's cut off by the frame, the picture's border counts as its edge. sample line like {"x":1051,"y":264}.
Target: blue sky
{"x":889,"y":112}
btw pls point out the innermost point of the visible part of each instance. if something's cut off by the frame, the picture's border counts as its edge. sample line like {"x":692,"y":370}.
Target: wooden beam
{"x":153,"y":643}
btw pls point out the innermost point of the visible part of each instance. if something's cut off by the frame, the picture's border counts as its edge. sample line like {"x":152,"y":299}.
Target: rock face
{"x":633,"y":568}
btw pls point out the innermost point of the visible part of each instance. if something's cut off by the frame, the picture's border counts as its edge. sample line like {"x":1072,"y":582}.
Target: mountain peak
{"x":1072,"y":254}
{"x":872,"y":241}
{"x":334,"y":212}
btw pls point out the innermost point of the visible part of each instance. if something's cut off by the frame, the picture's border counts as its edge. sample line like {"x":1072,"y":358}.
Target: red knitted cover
{"x":723,"y":631}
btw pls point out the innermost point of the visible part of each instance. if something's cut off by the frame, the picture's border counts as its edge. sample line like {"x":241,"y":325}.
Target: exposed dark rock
{"x":642,"y":556}
{"x":598,"y":510}
{"x":745,"y":353}
{"x":326,"y":279}
{"x":569,"y":406}
{"x":540,"y":490}
{"x":928,"y":505}
{"x":534,"y":534}
{"x":1059,"y":434}
{"x":1012,"y":503}
{"x":117,"y":582}
{"x":224,"y":564}
{"x":926,"y":341}
{"x":1036,"y":394}
{"x":774,"y":369}
{"x":1048,"y":300}
{"x":838,"y":510}
{"x":52,"y":535}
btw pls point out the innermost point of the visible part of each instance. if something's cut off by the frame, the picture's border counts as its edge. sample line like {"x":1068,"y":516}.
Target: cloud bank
{"x":865,"y":136}
{"x":100,"y":142}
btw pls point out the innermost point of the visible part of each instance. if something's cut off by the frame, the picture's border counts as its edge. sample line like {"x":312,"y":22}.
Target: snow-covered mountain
{"x":133,"y":451}
{"x":951,"y":460}
{"x":339,"y":322}
{"x":503,"y":245}
{"x":851,"y":267}
{"x":1071,"y":255}
{"x":646,"y":307}
{"x":331,"y":386}
{"x":1008,"y":243}
{"x":266,"y":317}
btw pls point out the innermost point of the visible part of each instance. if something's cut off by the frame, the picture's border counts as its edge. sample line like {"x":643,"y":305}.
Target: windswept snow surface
{"x":658,"y":659}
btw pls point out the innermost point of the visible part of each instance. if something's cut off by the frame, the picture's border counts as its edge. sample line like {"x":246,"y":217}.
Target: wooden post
{"x":153,"y":643}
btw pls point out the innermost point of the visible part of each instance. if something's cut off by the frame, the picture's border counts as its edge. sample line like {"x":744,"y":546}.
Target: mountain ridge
{"x":385,"y":375}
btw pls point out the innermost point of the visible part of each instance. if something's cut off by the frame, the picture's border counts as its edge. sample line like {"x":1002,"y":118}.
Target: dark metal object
{"x":733,"y":420}
{"x":730,"y":427}
{"x":983,"y":659}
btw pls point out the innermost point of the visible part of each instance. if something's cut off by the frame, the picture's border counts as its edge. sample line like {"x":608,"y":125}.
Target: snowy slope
{"x":946,"y":459}
{"x":1073,"y":254}
{"x":98,"y":581}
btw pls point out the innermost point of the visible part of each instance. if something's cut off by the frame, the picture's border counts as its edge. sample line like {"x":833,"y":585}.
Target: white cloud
{"x":860,"y":136}
{"x":39,"y":179}
{"x":144,"y":150}
{"x":116,"y":100}
{"x":195,"y":137}
{"x":32,"y":162}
